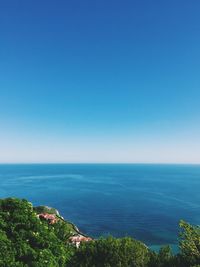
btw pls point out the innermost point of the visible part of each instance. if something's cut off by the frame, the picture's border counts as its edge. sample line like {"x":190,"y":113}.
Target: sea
{"x":144,"y":201}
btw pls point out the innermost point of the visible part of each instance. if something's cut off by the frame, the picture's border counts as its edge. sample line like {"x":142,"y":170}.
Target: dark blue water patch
{"x":140,"y":200}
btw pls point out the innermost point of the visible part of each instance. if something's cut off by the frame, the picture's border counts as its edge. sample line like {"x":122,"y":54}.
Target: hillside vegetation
{"x":28,"y":240}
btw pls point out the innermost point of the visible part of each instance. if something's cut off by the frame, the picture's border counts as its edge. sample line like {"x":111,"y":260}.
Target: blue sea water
{"x":140,"y":200}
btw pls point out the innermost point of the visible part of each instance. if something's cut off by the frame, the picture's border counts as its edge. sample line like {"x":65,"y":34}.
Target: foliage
{"x":110,"y":252}
{"x":190,"y":243}
{"x":164,"y":258}
{"x":25,"y":241}
{"x":44,"y":209}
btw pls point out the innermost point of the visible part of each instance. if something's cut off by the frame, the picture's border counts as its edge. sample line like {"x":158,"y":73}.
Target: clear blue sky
{"x":100,"y":81}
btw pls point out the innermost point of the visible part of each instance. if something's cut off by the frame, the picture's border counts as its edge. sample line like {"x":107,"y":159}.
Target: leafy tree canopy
{"x":26,"y":240}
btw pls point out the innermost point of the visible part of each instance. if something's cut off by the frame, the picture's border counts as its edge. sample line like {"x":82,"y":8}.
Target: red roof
{"x":49,"y":217}
{"x":77,"y":238}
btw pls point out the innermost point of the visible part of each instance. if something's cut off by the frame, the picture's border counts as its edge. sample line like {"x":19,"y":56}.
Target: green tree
{"x":111,"y":252}
{"x":164,"y":258}
{"x":190,"y":243}
{"x":25,"y":240}
{"x":7,"y":256}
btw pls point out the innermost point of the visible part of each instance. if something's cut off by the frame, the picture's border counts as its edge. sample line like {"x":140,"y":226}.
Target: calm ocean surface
{"x":143,"y":201}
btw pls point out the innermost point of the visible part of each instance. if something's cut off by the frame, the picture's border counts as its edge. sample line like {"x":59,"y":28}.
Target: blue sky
{"x":100,"y":81}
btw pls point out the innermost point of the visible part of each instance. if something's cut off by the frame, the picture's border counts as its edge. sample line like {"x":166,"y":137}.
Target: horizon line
{"x":101,"y":163}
